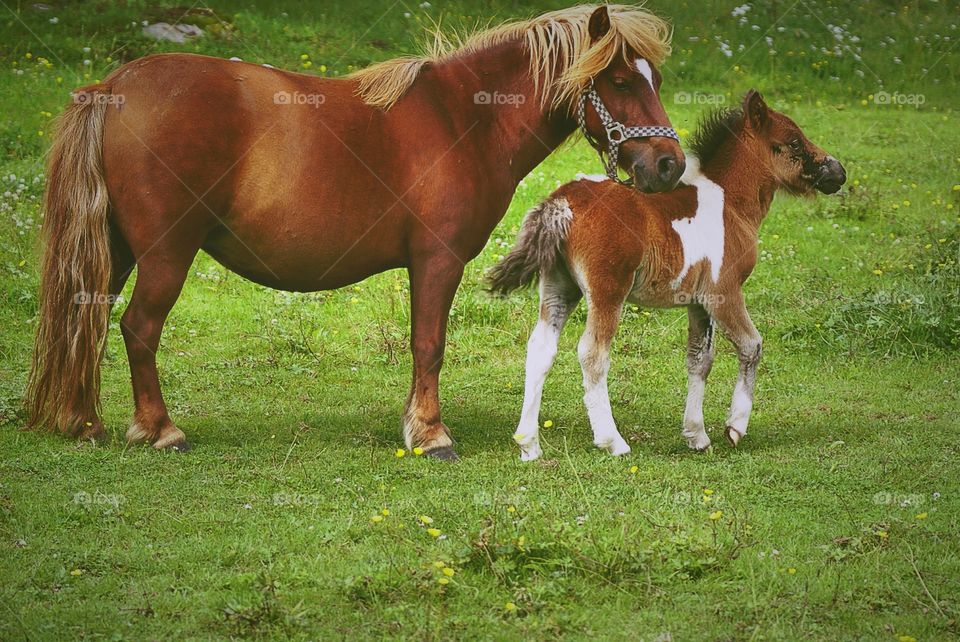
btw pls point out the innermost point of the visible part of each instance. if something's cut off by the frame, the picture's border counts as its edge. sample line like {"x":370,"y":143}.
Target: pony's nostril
{"x":666,"y":167}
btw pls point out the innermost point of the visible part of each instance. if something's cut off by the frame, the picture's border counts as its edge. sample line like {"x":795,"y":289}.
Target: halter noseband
{"x":617,"y":133}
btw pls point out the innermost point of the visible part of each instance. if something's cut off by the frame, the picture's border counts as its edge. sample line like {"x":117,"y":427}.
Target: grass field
{"x":836,"y":518}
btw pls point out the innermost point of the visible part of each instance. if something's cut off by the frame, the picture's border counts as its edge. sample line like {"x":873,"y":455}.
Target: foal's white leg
{"x":736,"y":325}
{"x":558,"y":298}
{"x":594,"y":353}
{"x":699,"y":362}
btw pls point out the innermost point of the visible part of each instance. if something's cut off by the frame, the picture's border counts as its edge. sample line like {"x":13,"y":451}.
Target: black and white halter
{"x":617,"y":133}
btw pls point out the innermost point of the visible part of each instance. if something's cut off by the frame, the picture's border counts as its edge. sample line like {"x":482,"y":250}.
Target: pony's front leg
{"x":558,"y":297}
{"x":699,"y":362}
{"x":594,"y":352}
{"x":433,"y":284}
{"x":735,"y":323}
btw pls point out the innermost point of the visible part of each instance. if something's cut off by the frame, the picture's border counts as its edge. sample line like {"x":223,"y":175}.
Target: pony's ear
{"x":756,"y":111}
{"x":599,"y":23}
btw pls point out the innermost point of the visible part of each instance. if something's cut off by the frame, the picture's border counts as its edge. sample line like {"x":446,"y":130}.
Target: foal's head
{"x":795,"y":162}
{"x":629,"y":87}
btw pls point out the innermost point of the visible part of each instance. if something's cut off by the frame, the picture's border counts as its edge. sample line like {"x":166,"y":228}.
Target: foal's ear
{"x":756,"y":110}
{"x":599,"y":23}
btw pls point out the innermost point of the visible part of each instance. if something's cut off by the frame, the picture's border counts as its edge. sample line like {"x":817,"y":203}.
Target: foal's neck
{"x":748,"y":185}
{"x":519,"y":128}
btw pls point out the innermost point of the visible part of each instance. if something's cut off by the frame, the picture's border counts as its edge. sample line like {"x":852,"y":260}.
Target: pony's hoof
{"x":172,"y":439}
{"x":179,"y":447}
{"x":616,"y":447}
{"x":530,"y":453}
{"x":94,"y":434}
{"x":443,"y":453}
{"x":698,"y":442}
{"x":733,"y":437}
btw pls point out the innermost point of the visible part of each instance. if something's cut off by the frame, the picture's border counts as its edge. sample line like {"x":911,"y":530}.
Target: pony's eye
{"x":796,"y":145}
{"x":620,"y":84}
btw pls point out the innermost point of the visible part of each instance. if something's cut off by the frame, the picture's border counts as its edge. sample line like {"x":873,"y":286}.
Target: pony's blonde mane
{"x":562,"y":58}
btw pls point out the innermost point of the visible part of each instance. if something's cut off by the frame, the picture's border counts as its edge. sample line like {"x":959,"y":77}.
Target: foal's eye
{"x":796,"y":145}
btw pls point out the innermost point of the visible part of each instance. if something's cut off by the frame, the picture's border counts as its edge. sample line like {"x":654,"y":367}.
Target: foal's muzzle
{"x":831,"y":176}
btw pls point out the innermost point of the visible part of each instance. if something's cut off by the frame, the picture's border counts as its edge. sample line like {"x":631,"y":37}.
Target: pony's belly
{"x":301,"y":267}
{"x":656,"y":290}
{"x":658,"y":298}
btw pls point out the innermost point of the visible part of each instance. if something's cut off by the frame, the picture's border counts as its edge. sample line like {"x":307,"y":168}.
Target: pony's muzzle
{"x":831,"y":176}
{"x":657,"y":168}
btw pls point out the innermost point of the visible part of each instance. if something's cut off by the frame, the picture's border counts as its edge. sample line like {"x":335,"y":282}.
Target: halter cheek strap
{"x":617,"y":133}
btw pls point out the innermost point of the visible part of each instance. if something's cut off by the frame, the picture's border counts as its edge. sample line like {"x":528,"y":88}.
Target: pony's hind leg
{"x":603,"y":315}
{"x":699,"y":362}
{"x":160,"y":277}
{"x":559,"y":296}
{"x":121,"y":264}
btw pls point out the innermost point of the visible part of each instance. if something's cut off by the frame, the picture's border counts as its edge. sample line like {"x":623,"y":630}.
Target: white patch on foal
{"x":593,"y":178}
{"x":644,"y":68}
{"x":702,"y":235}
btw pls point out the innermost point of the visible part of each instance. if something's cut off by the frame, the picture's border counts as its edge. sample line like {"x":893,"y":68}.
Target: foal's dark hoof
{"x":443,"y":453}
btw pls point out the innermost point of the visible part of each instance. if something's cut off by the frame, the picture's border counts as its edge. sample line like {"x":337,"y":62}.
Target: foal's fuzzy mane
{"x":562,"y":58}
{"x":713,"y":130}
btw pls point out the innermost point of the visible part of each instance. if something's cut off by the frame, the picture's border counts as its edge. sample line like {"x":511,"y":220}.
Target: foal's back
{"x":657,"y":241}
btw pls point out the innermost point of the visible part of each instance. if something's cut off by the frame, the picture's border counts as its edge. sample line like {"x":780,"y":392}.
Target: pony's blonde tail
{"x":63,"y":390}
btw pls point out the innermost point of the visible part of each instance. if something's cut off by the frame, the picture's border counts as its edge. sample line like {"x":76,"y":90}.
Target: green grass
{"x":293,"y":401}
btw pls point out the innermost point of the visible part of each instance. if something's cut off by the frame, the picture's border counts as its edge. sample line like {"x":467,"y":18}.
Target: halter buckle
{"x":615,"y":133}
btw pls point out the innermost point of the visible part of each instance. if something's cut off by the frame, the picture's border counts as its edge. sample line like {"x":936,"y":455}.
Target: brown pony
{"x":304,"y":183}
{"x":693,"y":247}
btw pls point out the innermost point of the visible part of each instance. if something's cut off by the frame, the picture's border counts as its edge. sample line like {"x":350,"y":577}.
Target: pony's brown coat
{"x":296,"y":182}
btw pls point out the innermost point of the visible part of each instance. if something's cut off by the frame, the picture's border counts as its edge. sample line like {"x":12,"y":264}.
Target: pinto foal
{"x":692,"y":247}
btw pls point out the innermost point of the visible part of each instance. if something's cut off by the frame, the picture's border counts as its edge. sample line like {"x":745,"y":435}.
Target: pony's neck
{"x":514,"y":121}
{"x":748,"y":186}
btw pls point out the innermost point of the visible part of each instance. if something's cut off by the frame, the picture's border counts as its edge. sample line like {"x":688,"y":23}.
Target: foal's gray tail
{"x":540,"y":243}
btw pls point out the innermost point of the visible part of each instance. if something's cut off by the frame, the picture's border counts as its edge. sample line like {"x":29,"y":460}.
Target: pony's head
{"x":621,"y":68}
{"x":798,"y":165}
